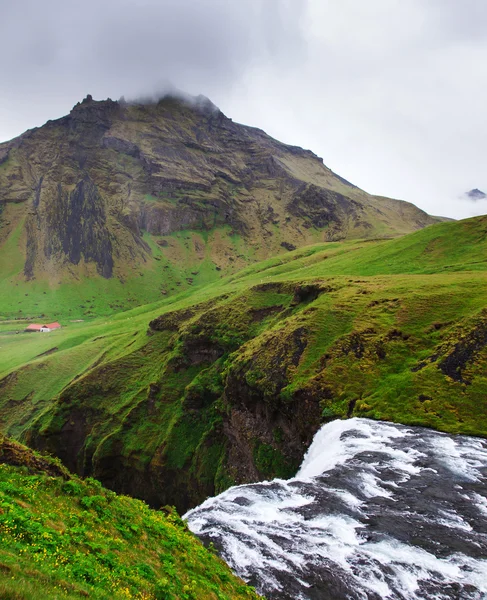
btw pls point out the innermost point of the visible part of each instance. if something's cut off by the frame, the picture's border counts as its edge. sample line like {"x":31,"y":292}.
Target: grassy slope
{"x":442,"y":249}
{"x":389,"y":319}
{"x":190,"y":260}
{"x":62,"y":537}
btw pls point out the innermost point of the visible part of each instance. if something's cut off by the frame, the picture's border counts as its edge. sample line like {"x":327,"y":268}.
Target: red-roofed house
{"x":43,"y":328}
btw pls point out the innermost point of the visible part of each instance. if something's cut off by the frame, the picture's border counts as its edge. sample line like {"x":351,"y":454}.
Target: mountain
{"x":119,"y":204}
{"x":175,"y":401}
{"x":475,"y":194}
{"x":67,"y":538}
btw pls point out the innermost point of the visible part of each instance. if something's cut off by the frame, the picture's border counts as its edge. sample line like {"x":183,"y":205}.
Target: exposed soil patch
{"x":47,"y":352}
{"x":259,"y":314}
{"x":12,"y":453}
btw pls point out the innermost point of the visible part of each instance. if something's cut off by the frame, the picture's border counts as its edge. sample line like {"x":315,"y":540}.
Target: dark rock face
{"x":257,"y":409}
{"x":288,"y":246}
{"x":306,"y":293}
{"x":324,"y":208}
{"x":123,"y":146}
{"x":77,"y":228}
{"x":464,"y":351}
{"x":249,"y":383}
{"x":4,"y":154}
{"x":31,"y":248}
{"x":171,"y":321}
{"x":199,"y":350}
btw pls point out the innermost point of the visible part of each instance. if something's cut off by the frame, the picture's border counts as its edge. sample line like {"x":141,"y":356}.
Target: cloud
{"x":392,"y":97}
{"x":389,"y":93}
{"x":60,"y":51}
{"x":458,"y":21}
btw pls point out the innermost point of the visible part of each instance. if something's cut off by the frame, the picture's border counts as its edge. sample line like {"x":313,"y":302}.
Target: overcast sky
{"x":391,"y":93}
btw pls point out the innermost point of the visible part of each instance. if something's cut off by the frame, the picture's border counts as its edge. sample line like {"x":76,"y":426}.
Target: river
{"x":377,"y":511}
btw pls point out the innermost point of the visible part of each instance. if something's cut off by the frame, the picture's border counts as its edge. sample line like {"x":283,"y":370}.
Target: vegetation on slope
{"x":230,"y":383}
{"x":61,"y":537}
{"x":131,"y":203}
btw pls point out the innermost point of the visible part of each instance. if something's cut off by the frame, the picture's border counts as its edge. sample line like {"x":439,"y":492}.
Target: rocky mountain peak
{"x":102,"y":190}
{"x":89,"y":105}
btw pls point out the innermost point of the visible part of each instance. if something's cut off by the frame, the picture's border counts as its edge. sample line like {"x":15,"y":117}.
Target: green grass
{"x":61,"y":537}
{"x":371,"y":340}
{"x":190,"y":261}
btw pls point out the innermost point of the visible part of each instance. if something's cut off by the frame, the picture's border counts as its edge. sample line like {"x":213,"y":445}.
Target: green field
{"x":187,"y":263}
{"x":387,"y":329}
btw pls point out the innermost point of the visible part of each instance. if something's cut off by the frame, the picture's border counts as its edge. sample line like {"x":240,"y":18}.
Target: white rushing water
{"x":376,"y":511}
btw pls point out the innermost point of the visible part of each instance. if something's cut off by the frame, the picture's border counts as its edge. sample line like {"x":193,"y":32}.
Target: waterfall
{"x":377,"y":511}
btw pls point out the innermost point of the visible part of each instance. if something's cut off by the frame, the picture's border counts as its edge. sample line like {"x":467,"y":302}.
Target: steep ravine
{"x":233,"y":391}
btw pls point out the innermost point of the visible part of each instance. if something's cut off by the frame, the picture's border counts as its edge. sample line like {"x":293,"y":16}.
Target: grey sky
{"x":391,"y":93}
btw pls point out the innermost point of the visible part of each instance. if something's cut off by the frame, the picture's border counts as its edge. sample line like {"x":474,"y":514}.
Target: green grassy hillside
{"x":61,"y":537}
{"x":230,"y":381}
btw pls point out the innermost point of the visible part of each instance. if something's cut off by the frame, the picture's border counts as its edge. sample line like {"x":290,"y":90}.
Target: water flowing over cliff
{"x":376,"y":511}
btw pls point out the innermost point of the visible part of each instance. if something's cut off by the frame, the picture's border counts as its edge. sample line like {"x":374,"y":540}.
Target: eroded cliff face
{"x":196,"y":418}
{"x":81,"y":192}
{"x":75,"y":227}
